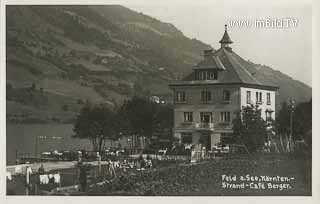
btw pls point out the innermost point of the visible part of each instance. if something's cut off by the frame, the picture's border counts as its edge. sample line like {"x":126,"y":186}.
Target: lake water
{"x":21,"y":137}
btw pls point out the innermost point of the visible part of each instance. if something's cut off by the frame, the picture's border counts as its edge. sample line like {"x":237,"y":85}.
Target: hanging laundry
{"x":44,"y":179}
{"x":9,"y":177}
{"x":28,"y":173}
{"x":56,"y":178}
{"x":29,"y":170}
{"x":51,"y":178}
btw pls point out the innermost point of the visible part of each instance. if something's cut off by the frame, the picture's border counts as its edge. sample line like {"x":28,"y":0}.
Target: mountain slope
{"x":60,"y":56}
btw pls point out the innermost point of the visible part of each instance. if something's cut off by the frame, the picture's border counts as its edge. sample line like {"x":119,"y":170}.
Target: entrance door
{"x":205,"y":139}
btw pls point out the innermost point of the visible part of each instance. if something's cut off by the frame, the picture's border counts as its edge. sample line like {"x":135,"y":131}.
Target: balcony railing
{"x":197,"y":125}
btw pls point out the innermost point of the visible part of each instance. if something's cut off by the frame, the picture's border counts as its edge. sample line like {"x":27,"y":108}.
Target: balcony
{"x":197,"y":125}
{"x":226,"y":101}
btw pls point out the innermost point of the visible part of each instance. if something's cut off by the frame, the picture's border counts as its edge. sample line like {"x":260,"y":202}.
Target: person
{"x":149,"y":163}
{"x":142,"y":161}
{"x":138,"y":164}
{"x":203,"y":152}
{"x":41,"y":169}
{"x":99,"y":162}
{"x":124,"y":166}
{"x":79,"y":157}
{"x":111,"y":169}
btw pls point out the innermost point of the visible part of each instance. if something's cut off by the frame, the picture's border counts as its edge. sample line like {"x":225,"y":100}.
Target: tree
{"x":141,"y":117}
{"x":96,"y":123}
{"x":283,"y":120}
{"x":249,"y":128}
{"x":302,"y":120}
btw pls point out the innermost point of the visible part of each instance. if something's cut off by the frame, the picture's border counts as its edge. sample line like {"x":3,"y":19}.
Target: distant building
{"x":157,"y":99}
{"x":207,"y":100}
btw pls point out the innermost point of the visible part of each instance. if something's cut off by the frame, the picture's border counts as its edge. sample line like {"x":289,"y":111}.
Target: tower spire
{"x":226,"y":40}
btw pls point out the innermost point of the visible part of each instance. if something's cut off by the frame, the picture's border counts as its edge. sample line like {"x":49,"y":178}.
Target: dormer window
{"x":208,"y":75}
{"x":213,"y":75}
{"x":202,"y":75}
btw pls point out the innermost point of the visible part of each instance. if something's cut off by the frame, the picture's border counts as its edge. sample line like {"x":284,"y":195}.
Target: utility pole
{"x":291,"y":102}
{"x":36,"y":147}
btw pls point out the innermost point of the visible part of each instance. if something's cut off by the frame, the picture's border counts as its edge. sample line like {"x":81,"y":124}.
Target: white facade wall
{"x":264,"y":106}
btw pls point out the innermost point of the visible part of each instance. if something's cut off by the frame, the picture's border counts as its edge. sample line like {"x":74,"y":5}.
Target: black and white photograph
{"x":170,"y":99}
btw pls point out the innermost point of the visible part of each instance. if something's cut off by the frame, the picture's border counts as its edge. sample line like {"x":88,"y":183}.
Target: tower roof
{"x":226,"y":38}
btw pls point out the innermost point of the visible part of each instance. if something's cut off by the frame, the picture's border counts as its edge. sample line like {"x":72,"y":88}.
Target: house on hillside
{"x":207,"y":100}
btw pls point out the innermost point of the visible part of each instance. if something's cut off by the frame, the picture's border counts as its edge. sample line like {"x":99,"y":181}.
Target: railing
{"x":197,"y":125}
{"x":204,"y":125}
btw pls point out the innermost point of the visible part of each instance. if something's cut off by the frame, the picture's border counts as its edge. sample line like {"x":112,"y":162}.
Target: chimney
{"x":208,"y":53}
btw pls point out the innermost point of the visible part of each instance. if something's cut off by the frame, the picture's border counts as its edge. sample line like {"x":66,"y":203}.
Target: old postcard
{"x":170,"y":99}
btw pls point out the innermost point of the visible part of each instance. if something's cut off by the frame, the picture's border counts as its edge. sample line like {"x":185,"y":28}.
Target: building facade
{"x":207,"y":100}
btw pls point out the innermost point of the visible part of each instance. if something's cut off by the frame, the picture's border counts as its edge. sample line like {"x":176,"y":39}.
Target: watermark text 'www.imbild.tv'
{"x":264,"y":23}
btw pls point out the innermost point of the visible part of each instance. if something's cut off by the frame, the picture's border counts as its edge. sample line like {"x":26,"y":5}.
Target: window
{"x":226,"y":96}
{"x":259,"y":97}
{"x":202,"y":75}
{"x":248,"y":97}
{"x":205,"y":96}
{"x":268,"y":99}
{"x":268,"y":115}
{"x":188,"y":116}
{"x":215,"y":75}
{"x":225,"y":117}
{"x":207,"y":75}
{"x":212,"y":75}
{"x":186,"y":137}
{"x":206,"y":117}
{"x":180,"y":96}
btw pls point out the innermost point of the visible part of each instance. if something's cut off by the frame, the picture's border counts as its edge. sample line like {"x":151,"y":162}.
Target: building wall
{"x":216,"y":106}
{"x":194,"y":104}
{"x":264,"y":106}
{"x":238,"y":99}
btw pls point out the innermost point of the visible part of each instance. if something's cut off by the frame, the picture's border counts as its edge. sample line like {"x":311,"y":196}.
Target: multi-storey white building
{"x":207,"y":100}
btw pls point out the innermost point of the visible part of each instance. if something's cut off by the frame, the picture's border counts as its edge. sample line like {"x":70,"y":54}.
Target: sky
{"x":286,"y":47}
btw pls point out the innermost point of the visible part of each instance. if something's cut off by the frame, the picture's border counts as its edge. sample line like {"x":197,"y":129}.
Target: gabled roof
{"x":235,"y":70}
